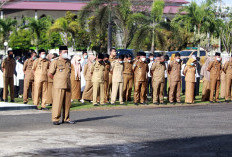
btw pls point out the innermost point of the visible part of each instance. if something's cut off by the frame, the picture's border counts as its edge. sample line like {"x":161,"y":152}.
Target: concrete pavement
{"x":180,"y":131}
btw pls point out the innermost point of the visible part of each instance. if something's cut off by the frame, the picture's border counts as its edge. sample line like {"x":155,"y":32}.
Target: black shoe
{"x":179,"y":103}
{"x":50,"y":105}
{"x":211,"y":102}
{"x":145,"y":103}
{"x":95,"y":105}
{"x":218,"y":102}
{"x":227,"y":101}
{"x":25,"y":103}
{"x":56,"y":123}
{"x":12,"y":101}
{"x":113,"y":104}
{"x":156,"y":103}
{"x":44,"y":109}
{"x":5,"y":100}
{"x":1,"y":99}
{"x":172,"y":103}
{"x":69,"y":122}
{"x":136,"y":104}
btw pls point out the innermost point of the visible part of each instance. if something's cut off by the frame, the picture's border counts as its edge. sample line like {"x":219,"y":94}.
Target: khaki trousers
{"x":27,"y":85}
{"x":98,"y":86}
{"x":88,"y":91}
{"x":40,"y":88}
{"x":8,"y":81}
{"x":189,"y":92}
{"x":110,"y":84}
{"x":63,"y":100}
{"x":158,"y":91}
{"x":228,"y":87}
{"x":106,"y":84}
{"x":49,"y":98}
{"x":223,"y":85}
{"x":214,"y":86}
{"x":115,"y":87}
{"x":76,"y":89}
{"x":140,"y":91}
{"x":205,"y":90}
{"x":175,"y":89}
{"x":127,"y":86}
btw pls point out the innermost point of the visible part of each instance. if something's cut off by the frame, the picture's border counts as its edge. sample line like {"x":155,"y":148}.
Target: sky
{"x":224,"y":1}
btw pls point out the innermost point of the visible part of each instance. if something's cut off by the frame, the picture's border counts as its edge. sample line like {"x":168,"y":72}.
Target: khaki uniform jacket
{"x":228,"y":68}
{"x":107,"y":71}
{"x":158,"y":71}
{"x":140,"y":69}
{"x":8,"y":65}
{"x":98,"y":72}
{"x":189,"y":72}
{"x":174,"y":70}
{"x":215,"y":68}
{"x":27,"y":68}
{"x":117,"y":69}
{"x":41,"y":67}
{"x":61,"y":69}
{"x":87,"y":72}
{"x":128,"y":68}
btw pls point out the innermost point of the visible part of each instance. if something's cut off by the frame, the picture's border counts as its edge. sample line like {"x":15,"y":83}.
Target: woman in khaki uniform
{"x":190,"y":72}
{"x":88,"y":91}
{"x":76,"y":78}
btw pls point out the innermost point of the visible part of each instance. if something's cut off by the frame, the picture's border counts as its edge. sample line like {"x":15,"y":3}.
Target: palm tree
{"x":65,"y":28}
{"x":7,"y":26}
{"x":37,"y":26}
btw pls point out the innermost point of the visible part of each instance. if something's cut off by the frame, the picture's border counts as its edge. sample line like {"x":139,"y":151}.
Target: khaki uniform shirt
{"x":128,"y":68}
{"x":87,"y":72}
{"x":140,"y":69}
{"x":98,"y":72}
{"x":61,"y":69}
{"x":215,"y":70}
{"x":8,"y":65}
{"x":190,"y":72}
{"x":27,"y":68}
{"x":158,"y":71}
{"x":107,"y":71}
{"x":117,"y":69}
{"x":174,"y":70}
{"x":40,"y":67}
{"x":228,"y":68}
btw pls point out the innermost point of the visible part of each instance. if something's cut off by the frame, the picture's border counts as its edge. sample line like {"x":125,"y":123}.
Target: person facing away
{"x":228,"y":71}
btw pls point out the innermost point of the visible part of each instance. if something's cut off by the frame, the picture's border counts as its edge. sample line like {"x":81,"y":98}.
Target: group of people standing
{"x":102,"y":79}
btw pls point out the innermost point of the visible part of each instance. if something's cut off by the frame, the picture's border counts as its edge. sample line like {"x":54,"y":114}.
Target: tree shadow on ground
{"x":207,"y":146}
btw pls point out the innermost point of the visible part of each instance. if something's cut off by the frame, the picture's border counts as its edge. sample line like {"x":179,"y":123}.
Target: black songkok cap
{"x":100,"y":56}
{"x":218,"y":54}
{"x":63,"y":48}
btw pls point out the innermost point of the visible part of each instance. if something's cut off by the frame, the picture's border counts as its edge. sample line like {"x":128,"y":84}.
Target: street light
{"x":5,"y":45}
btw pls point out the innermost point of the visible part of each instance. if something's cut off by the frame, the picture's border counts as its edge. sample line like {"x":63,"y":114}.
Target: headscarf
{"x":91,"y":58}
{"x":191,"y":60}
{"x":76,"y":65}
{"x":204,"y":68}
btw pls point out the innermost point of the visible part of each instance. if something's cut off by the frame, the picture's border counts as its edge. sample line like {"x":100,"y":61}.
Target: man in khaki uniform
{"x":158,"y":78}
{"x":117,"y":80}
{"x":215,"y":70}
{"x":113,"y":53}
{"x":40,"y":67}
{"x":8,"y":68}
{"x":106,"y":77}
{"x":98,"y":79}
{"x":29,"y":77}
{"x":140,"y":69}
{"x":60,"y":70}
{"x":174,"y":71}
{"x":228,"y":71}
{"x":127,"y":78}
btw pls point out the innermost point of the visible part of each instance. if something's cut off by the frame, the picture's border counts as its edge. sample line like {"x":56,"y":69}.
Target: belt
{"x":128,"y":74}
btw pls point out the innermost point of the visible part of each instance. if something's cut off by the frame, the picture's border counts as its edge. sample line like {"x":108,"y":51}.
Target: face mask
{"x":43,"y":56}
{"x":11,"y":56}
{"x":120,"y":62}
{"x":151,"y":59}
{"x":178,"y":60}
{"x":86,"y":57}
{"x":78,"y":62}
{"x":143,"y":59}
{"x":106,"y":61}
{"x":101,"y":62}
{"x":218,"y":59}
{"x":65,"y":56}
{"x":52,"y":60}
{"x":129,"y":61}
{"x":34,"y":58}
{"x":192,"y":64}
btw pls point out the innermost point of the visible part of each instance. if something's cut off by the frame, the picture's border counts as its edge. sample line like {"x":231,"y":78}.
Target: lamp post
{"x":5,"y":45}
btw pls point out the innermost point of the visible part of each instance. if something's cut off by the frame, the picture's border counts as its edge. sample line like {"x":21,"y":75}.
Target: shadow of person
{"x":96,"y":118}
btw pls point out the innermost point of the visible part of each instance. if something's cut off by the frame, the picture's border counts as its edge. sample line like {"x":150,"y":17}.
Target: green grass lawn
{"x":76,"y":105}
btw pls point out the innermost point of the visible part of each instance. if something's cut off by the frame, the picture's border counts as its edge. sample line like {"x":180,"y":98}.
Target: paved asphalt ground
{"x":177,"y":131}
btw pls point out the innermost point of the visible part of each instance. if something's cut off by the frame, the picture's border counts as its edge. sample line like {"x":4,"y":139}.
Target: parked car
{"x":125,"y":52}
{"x":189,"y":53}
{"x":171,"y":52}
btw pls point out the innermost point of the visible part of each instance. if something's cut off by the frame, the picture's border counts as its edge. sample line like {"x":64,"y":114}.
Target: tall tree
{"x":6,"y":27}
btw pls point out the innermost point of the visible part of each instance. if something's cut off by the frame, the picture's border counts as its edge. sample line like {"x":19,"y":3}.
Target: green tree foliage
{"x":20,"y":39}
{"x":6,"y":26}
